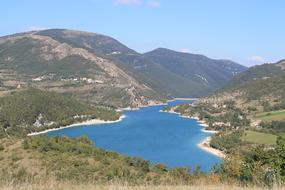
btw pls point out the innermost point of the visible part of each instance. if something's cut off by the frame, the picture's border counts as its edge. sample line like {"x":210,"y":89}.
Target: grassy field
{"x":259,"y":138}
{"x":119,"y":187}
{"x":270,"y":116}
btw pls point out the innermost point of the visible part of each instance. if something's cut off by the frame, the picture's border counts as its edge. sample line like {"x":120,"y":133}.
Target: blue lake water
{"x":147,"y":133}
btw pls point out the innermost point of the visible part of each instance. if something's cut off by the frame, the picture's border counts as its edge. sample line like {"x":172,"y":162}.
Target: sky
{"x":249,"y":32}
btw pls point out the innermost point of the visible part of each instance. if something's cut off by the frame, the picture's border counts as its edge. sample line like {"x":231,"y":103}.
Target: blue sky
{"x":247,"y":31}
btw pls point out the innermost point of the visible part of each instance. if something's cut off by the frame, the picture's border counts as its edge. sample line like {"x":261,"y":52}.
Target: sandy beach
{"x":88,"y":122}
{"x":205,"y":145}
{"x":209,"y":131}
{"x":185,"y":99}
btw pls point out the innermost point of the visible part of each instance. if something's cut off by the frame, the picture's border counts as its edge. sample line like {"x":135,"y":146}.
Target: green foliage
{"x":81,"y":145}
{"x":228,"y":142}
{"x":280,"y":157}
{"x":159,"y":168}
{"x":259,"y":166}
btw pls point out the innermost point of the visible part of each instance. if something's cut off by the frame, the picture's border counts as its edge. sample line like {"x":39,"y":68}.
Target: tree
{"x":280,"y":160}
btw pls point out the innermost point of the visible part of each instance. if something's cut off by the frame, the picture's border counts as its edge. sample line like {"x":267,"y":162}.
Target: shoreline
{"x":184,"y":99}
{"x":98,"y":121}
{"x":153,"y":104}
{"x":84,"y":123}
{"x":139,"y":107}
{"x":205,"y":144}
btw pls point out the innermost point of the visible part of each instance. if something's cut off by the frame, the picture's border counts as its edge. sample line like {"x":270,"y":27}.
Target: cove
{"x":152,"y":135}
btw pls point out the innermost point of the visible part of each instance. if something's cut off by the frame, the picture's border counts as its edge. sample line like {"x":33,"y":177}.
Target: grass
{"x":121,"y":187}
{"x":270,"y":116}
{"x":259,"y":138}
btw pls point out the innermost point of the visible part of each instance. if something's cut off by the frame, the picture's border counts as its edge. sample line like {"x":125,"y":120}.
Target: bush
{"x":160,"y":168}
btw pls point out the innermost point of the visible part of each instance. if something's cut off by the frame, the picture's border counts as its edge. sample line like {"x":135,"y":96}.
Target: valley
{"x":66,"y":90}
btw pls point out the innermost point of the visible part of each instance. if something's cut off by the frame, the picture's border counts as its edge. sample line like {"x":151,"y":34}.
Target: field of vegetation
{"x":126,"y":187}
{"x":270,"y":116}
{"x":259,"y":138}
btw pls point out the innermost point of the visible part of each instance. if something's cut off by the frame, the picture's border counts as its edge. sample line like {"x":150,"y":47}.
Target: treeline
{"x":273,"y":127}
{"x":267,"y":107}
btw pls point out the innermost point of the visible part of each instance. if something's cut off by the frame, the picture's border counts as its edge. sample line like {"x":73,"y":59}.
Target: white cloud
{"x":127,"y":2}
{"x":35,"y":28}
{"x":149,"y":3}
{"x":153,"y":3}
{"x":257,"y":58}
{"x":185,"y":50}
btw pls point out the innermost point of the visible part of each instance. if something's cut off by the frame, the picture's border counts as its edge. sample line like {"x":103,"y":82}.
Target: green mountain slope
{"x":260,"y":81}
{"x":260,"y":88}
{"x":256,"y":73}
{"x":208,"y":73}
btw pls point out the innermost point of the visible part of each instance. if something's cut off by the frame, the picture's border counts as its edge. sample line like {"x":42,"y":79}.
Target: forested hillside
{"x":35,"y":110}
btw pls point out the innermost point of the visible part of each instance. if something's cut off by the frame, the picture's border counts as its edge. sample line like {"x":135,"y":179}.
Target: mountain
{"x":149,"y":68}
{"x":31,"y":59}
{"x":202,"y":71}
{"x":100,"y":69}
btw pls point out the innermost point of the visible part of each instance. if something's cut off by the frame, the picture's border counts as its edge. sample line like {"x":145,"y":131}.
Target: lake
{"x":152,"y":135}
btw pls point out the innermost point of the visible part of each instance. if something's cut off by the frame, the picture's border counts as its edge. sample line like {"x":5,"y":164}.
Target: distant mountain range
{"x":99,"y":69}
